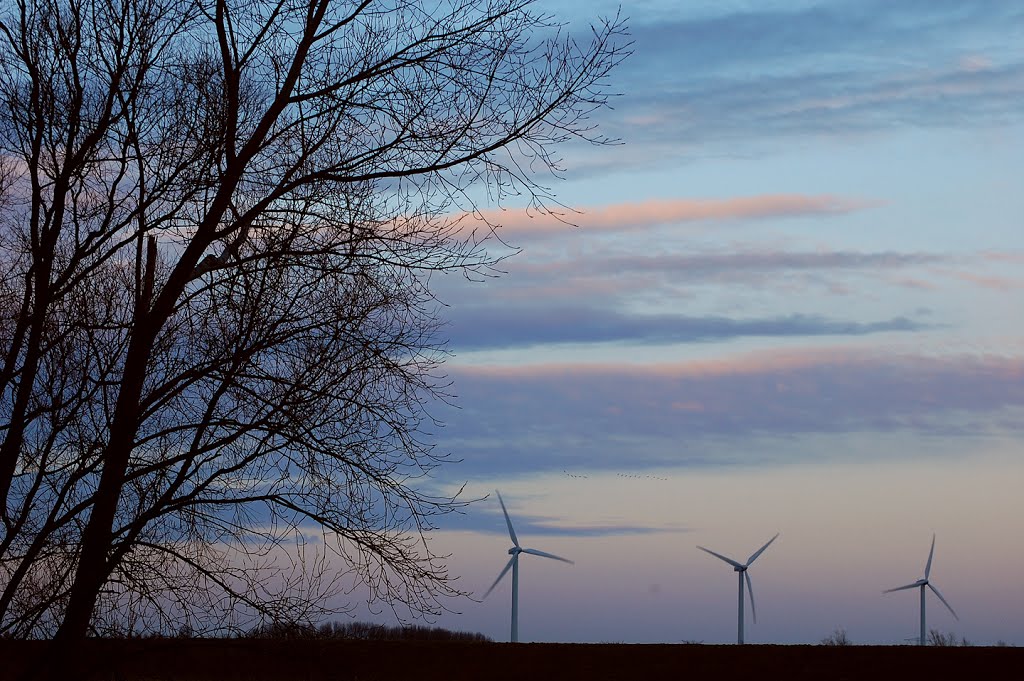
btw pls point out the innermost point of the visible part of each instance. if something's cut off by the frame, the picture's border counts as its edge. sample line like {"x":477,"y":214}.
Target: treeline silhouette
{"x":363,"y":631}
{"x":291,"y":631}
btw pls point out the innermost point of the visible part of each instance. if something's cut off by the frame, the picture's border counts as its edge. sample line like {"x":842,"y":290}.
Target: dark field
{"x":242,"y":660}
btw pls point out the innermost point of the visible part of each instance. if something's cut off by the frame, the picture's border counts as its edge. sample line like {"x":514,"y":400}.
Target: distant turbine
{"x":741,"y":569}
{"x":922,"y":583}
{"x":513,"y":563}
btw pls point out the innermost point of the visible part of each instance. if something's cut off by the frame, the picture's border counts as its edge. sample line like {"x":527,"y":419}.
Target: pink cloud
{"x":914,"y":283}
{"x":654,"y":212}
{"x":695,"y":386}
{"x":988,"y":281}
{"x":973,"y":63}
{"x":1001,"y":256}
{"x":752,"y":363}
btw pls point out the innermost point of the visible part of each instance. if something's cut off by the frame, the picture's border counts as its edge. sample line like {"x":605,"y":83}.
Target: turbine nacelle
{"x":740,"y":568}
{"x":515,"y":550}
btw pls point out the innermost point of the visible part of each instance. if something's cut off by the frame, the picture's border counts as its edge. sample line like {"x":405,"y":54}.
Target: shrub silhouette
{"x":837,"y":638}
{"x":362,"y":631}
{"x":945,"y":640}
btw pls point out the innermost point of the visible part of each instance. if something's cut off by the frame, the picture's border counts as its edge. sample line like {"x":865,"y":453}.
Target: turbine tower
{"x":513,"y":564}
{"x":741,"y":570}
{"x":921,"y":584}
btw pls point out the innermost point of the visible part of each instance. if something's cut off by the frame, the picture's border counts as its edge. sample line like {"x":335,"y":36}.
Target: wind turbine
{"x":921,"y":584}
{"x":741,"y":570}
{"x":513,"y":564}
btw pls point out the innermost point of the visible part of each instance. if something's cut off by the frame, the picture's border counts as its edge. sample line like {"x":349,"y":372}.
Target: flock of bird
{"x":635,"y":476}
{"x":739,"y":568}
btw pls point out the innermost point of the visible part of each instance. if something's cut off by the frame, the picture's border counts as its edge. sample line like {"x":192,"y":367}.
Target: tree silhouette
{"x":218,"y":223}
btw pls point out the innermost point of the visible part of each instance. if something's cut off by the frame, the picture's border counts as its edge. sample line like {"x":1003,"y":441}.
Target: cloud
{"x":504,"y":327}
{"x":702,"y":266}
{"x":751,"y":79}
{"x":1004,"y":257}
{"x":544,"y":526}
{"x":972,"y":63}
{"x":606,"y":279}
{"x":913,"y":93}
{"x":989,"y":281}
{"x":587,"y":417}
{"x":776,"y":108}
{"x":623,"y":217}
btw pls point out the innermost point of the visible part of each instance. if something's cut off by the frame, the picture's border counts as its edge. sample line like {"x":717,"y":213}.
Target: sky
{"x":790,"y":302}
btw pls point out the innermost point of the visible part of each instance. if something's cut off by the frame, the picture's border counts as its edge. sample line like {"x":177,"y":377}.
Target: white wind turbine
{"x":741,"y":570}
{"x":921,"y":584}
{"x":513,"y":564}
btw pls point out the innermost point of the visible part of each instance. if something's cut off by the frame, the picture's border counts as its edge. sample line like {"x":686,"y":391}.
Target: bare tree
{"x":946,"y":639}
{"x":838,"y":637}
{"x":218,"y":223}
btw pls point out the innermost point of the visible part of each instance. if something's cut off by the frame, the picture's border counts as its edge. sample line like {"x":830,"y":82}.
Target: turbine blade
{"x":932,"y":587}
{"x":761,"y":550}
{"x":928,"y":567}
{"x":508,"y":521}
{"x":730,"y":561}
{"x":750,"y":591}
{"x":508,"y":566}
{"x":901,"y":588}
{"x":535,"y":552}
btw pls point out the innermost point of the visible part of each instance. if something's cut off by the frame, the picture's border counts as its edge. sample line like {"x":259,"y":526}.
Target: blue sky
{"x":790,"y":303}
